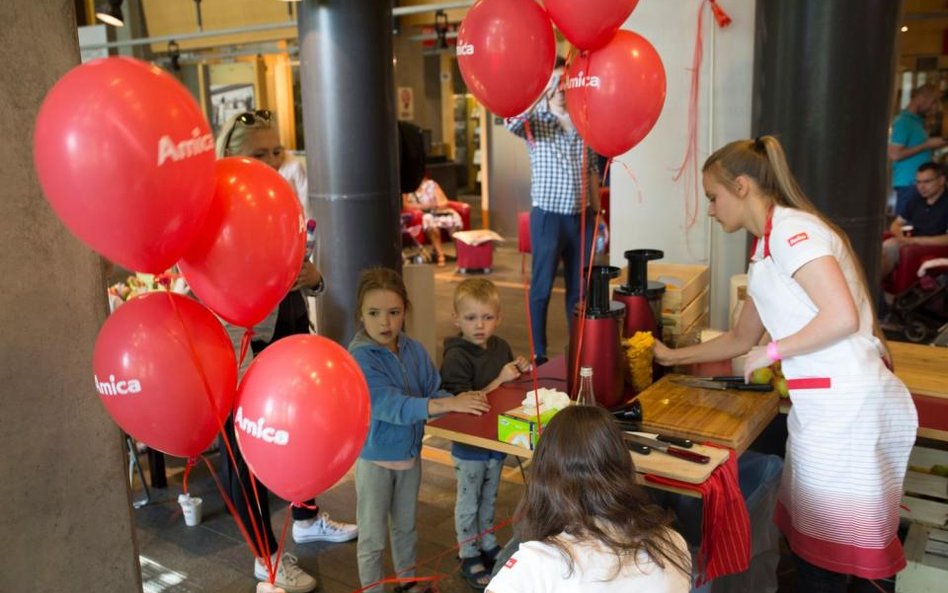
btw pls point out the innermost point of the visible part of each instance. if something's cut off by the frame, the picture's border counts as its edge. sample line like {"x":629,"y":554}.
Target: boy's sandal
{"x":475,"y":573}
{"x":413,"y":587}
{"x":490,"y":557}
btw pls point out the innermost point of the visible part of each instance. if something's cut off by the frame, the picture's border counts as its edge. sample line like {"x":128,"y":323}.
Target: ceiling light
{"x":904,"y":28}
{"x":110,"y":13}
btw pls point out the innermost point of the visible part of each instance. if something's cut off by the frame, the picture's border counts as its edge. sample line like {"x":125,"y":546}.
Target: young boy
{"x":477,"y":360}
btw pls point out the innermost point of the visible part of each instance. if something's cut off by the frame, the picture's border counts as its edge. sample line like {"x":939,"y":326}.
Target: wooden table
{"x":730,"y":418}
{"x":924,"y":370}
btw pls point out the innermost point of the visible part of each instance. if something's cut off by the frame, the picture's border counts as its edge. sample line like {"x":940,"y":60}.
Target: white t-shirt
{"x":537,"y":567}
{"x":293,"y":170}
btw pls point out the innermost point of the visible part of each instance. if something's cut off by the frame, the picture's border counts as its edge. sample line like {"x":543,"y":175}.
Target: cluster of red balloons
{"x":615,"y":84}
{"x":127,"y":161}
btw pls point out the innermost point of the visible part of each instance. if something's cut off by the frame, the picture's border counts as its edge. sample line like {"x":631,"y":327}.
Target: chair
{"x":413,"y":218}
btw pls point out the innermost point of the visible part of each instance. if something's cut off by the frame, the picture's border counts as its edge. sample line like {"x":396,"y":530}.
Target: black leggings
{"x":289,"y":322}
{"x":813,"y":579}
{"x":237,"y":481}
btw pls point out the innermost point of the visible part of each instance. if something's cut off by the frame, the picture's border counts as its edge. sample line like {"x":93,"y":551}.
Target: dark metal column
{"x":823,"y":84}
{"x":349,"y":119}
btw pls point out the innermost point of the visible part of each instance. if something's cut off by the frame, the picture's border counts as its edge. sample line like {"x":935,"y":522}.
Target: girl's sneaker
{"x":323,"y":529}
{"x":289,"y":576}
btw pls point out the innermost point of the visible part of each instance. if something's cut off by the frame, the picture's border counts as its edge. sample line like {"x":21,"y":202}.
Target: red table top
{"x":508,"y":396}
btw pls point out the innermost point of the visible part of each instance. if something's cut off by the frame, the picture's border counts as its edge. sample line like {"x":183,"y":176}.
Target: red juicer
{"x":642,"y":298}
{"x":601,"y":349}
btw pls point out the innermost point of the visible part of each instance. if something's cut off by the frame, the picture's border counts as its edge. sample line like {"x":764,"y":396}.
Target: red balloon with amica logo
{"x":302,"y":415}
{"x":506,"y":51}
{"x":165,"y":371}
{"x":615,"y":94}
{"x":126,"y":159}
{"x":252,"y":243}
{"x":589,"y":24}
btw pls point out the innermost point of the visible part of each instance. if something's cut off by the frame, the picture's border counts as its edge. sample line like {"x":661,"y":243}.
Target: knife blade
{"x":740,"y":386}
{"x":667,"y":449}
{"x":637,"y":427}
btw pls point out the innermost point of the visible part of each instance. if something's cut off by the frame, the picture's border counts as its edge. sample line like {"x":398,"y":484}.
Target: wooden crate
{"x":925,"y":504}
{"x":679,"y":322}
{"x":926,"y":552}
{"x":926,"y":495}
{"x":686,"y":299}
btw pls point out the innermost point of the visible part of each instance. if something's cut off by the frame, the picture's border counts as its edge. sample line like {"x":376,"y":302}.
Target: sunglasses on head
{"x":247,"y":118}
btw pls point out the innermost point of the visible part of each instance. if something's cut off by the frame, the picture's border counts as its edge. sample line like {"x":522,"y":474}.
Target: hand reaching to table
{"x":470,"y":402}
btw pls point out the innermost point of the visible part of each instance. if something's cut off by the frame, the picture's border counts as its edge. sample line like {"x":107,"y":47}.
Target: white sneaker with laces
{"x":323,"y":529}
{"x":289,"y":576}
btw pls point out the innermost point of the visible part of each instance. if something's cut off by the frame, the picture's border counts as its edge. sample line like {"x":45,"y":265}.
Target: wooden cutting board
{"x":660,"y":464}
{"x":730,"y":417}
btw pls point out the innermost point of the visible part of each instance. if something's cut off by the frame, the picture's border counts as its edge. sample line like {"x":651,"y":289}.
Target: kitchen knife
{"x":640,"y":449}
{"x":738,"y":385}
{"x":636,"y":427}
{"x":667,"y":449}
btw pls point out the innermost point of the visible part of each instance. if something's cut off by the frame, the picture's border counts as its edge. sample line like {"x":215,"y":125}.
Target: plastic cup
{"x":907,"y":230}
{"x":191,"y":507}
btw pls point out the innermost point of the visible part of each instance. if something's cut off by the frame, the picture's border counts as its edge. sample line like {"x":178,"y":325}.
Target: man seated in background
{"x":925,"y":219}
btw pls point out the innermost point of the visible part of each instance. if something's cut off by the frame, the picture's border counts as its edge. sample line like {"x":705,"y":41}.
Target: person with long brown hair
{"x":853,"y":423}
{"x":584,"y":522}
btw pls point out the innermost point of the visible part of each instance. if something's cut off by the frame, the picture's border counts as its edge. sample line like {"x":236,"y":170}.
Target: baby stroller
{"x":922,"y":309}
{"x":413,"y":252}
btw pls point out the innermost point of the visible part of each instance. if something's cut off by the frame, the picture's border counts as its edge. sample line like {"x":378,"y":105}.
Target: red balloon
{"x":614,"y":95}
{"x":151,"y":360}
{"x":506,"y":51}
{"x":126,"y":159}
{"x":302,"y":415}
{"x":251,"y":247}
{"x":589,"y":24}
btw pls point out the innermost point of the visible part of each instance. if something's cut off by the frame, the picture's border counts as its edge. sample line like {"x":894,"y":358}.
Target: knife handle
{"x":638,"y":448}
{"x":686,"y":443}
{"x":689,"y":455}
{"x":727,"y":379}
{"x":762,"y":387}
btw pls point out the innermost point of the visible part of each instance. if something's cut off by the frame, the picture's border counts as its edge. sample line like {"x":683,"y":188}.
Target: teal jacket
{"x":400,"y":387}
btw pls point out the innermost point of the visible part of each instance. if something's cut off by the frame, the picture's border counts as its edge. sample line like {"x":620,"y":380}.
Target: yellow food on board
{"x":638,"y":354}
{"x":762,"y":375}
{"x":781,"y":386}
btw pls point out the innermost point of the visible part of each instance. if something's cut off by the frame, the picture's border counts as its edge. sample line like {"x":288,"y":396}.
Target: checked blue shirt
{"x":556,"y":157}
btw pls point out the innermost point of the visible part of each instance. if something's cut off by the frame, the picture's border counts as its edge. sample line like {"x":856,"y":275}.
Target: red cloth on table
{"x":725,"y":524}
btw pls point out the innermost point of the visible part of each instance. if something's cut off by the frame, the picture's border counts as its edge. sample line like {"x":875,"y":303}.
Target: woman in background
{"x":254,"y":135}
{"x":430,"y":199}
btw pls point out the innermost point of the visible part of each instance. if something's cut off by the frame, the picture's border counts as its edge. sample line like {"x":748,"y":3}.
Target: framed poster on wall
{"x":229,"y":99}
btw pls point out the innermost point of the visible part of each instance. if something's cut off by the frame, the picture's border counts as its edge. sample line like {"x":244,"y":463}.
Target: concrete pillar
{"x":823,"y":84}
{"x":66,"y":523}
{"x":346,"y":76}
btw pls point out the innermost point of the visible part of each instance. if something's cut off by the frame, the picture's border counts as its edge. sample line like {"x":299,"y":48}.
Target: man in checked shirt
{"x":556,"y":188}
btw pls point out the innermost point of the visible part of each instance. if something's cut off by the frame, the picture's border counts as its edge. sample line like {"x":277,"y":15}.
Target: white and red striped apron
{"x":851,"y":429}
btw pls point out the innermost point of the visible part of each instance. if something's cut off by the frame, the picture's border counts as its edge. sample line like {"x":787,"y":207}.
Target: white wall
{"x":651,"y":210}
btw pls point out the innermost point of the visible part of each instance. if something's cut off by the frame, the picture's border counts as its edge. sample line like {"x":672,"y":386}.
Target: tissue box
{"x":519,"y":428}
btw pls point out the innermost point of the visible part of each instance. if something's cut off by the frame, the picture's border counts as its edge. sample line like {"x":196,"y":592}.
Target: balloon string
{"x":689,"y":164}
{"x":196,"y":359}
{"x":533,"y":358}
{"x":232,"y":509}
{"x":187,"y":472}
{"x":635,"y":181}
{"x":580,"y":331}
{"x":435,"y":560}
